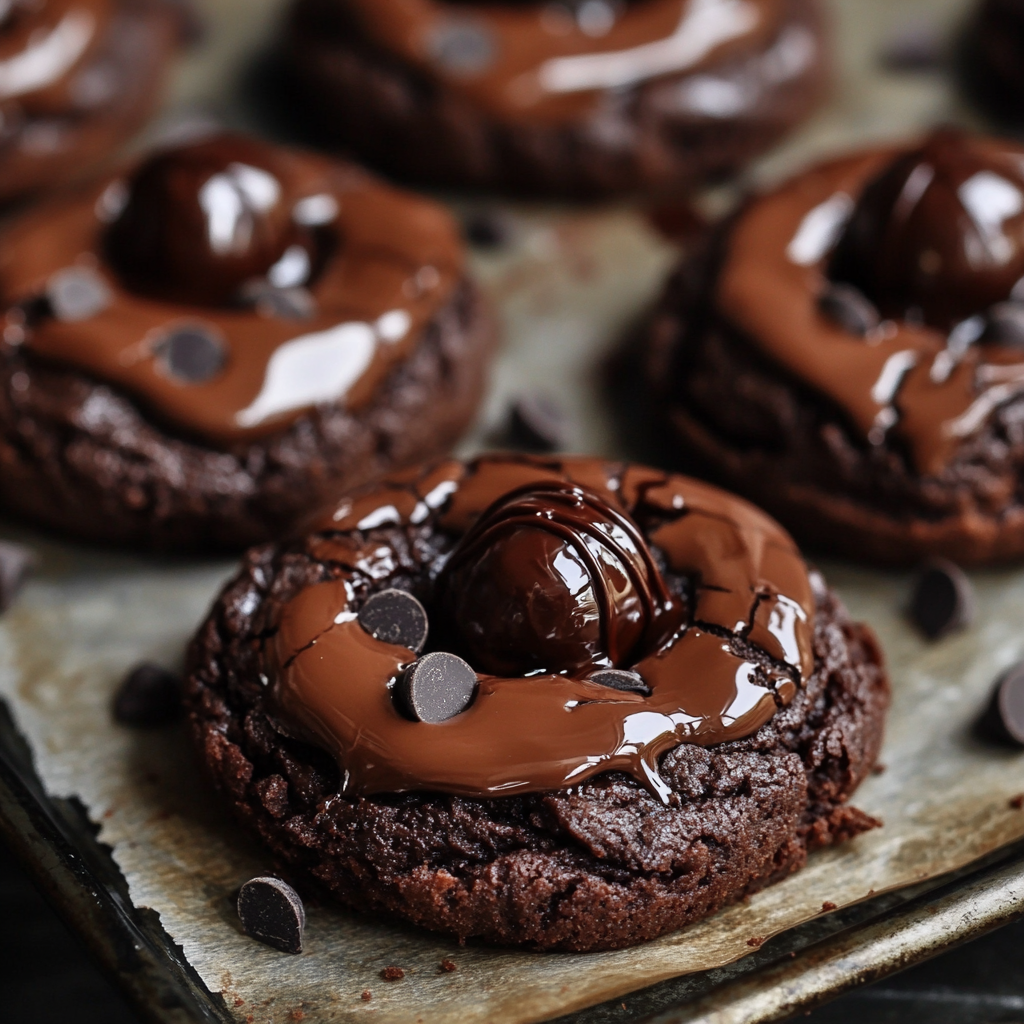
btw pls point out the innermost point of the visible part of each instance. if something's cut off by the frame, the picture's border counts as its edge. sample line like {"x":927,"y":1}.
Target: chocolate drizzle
{"x":308,"y":279}
{"x":929,"y":388}
{"x":720,"y":673}
{"x":544,"y":62}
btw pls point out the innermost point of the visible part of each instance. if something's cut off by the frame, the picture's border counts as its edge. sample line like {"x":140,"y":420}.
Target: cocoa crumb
{"x":828,"y":905}
{"x":392,"y":974}
{"x":757,"y":940}
{"x":296,"y":1015}
{"x":239,"y":1001}
{"x":1017,"y":803}
{"x":447,"y":966}
{"x":366,"y":996}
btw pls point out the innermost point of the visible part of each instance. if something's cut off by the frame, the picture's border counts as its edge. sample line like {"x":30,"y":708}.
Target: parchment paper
{"x":567,"y":285}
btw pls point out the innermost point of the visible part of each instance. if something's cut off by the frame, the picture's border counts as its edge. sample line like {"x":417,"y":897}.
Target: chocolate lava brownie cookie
{"x":562,"y":703}
{"x":200,"y":350}
{"x":849,"y":353}
{"x":77,"y":78}
{"x":570,"y":98}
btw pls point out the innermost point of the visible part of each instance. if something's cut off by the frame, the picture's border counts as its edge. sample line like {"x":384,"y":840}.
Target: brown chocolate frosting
{"x":934,"y":236}
{"x":544,"y":62}
{"x":43,"y":45}
{"x":231,"y":285}
{"x":717,"y":661}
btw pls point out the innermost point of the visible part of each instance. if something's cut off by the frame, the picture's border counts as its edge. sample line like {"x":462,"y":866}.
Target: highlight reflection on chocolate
{"x":554,"y":579}
{"x":939,"y":234}
{"x":715,"y":669}
{"x":275,"y":280}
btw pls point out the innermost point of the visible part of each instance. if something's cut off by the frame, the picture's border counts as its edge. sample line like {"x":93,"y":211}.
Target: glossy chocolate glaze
{"x":541,"y":62}
{"x":939,"y":235}
{"x":554,"y":579}
{"x":930,"y":389}
{"x":384,"y":263}
{"x":744,"y":649}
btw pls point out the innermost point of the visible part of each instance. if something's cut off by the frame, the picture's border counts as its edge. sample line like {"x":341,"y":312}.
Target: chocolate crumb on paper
{"x":757,"y":941}
{"x":828,"y":906}
{"x":392,"y":974}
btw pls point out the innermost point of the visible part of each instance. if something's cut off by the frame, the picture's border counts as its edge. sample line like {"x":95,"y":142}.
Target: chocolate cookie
{"x":849,"y":353}
{"x":996,"y":56}
{"x":203,"y":348}
{"x":77,"y":79}
{"x":635,"y":704}
{"x":569,"y":99}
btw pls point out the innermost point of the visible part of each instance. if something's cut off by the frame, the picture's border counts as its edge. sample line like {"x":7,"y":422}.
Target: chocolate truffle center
{"x":552,"y":579}
{"x":938,"y":236}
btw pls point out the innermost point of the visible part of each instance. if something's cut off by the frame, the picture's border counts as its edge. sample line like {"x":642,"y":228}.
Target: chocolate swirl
{"x":552,"y":578}
{"x":230,"y":285}
{"x":931,"y":389}
{"x":738,"y":654}
{"x":551,"y":62}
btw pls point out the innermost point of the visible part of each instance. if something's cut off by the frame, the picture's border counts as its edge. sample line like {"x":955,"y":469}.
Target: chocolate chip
{"x":150,"y":696}
{"x":1006,"y":324}
{"x":914,"y":47}
{"x":16,"y":563}
{"x":436,"y":688}
{"x":392,"y":974}
{"x":192,"y":354}
{"x":77,"y":293}
{"x":538,"y":423}
{"x":619,"y":679}
{"x":395,"y":617}
{"x":850,"y":308}
{"x":942,"y":600}
{"x":272,"y":912}
{"x":462,"y":48}
{"x":487,"y":229}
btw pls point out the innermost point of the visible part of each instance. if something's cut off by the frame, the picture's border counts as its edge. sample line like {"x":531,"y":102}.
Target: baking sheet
{"x":568,"y":284}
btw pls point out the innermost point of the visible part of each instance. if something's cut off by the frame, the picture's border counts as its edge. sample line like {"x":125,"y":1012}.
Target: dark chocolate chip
{"x":77,"y":293}
{"x":16,"y":563}
{"x":437,"y":687}
{"x":1006,"y":324}
{"x":942,"y":600}
{"x":538,"y":423}
{"x":850,"y":308}
{"x":914,"y":47}
{"x":487,"y":229}
{"x":271,"y":911}
{"x":395,"y":617}
{"x":619,"y":679}
{"x":150,"y":696}
{"x":462,"y":48}
{"x":192,"y":354}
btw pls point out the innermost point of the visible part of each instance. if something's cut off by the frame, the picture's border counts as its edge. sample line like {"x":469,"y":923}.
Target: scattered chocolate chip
{"x":392,"y":974}
{"x":1006,"y":324}
{"x":942,"y":600}
{"x":192,"y":354}
{"x":77,"y":293}
{"x":395,"y":617}
{"x":487,"y":229}
{"x":619,"y":679}
{"x":462,"y":48}
{"x":437,"y":687}
{"x":149,"y":697}
{"x":538,"y":423}
{"x":366,"y":996}
{"x":828,"y":906}
{"x":850,"y":308}
{"x":16,"y":563}
{"x":757,"y":941}
{"x":914,"y":47}
{"x":272,"y":912}
{"x":1017,"y":802}
{"x":448,"y":966}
